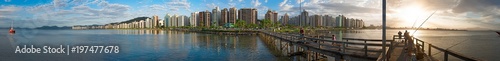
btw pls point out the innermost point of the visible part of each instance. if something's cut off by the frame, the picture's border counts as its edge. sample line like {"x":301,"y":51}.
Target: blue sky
{"x":35,"y":13}
{"x":403,"y":13}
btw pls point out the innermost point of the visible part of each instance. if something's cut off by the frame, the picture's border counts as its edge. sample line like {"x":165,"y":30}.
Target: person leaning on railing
{"x":409,"y":42}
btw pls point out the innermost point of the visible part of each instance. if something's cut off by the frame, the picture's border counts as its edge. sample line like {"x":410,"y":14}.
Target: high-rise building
{"x":232,"y":15}
{"x":347,"y":22}
{"x":204,"y":18}
{"x":181,"y":20}
{"x":172,"y":20}
{"x":311,"y":21}
{"x":275,"y":15}
{"x":272,"y":15}
{"x":155,"y":21}
{"x":167,"y":20}
{"x":304,"y":18}
{"x":186,"y":21}
{"x":318,"y":20}
{"x":193,"y":19}
{"x":224,"y":17}
{"x":215,"y":17}
{"x":284,"y":19}
{"x":248,"y":14}
{"x":149,"y":22}
{"x":362,"y":24}
{"x":175,"y":20}
{"x":326,"y":22}
{"x":340,"y":21}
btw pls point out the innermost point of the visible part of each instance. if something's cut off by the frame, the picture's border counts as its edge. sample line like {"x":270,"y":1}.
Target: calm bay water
{"x":138,"y":45}
{"x":174,"y":46}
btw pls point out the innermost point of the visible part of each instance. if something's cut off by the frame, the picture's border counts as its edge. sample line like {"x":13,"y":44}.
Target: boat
{"x":12,"y":28}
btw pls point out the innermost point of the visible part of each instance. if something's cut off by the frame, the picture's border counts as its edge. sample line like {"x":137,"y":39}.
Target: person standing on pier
{"x":399,"y":34}
{"x":333,"y":38}
{"x":301,"y":32}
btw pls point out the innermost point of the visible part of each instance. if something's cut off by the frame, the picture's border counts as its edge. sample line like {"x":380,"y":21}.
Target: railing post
{"x":347,"y":40}
{"x":366,"y":49}
{"x":343,"y":47}
{"x":393,"y":38}
{"x":429,"y":53}
{"x":319,"y":44}
{"x":423,"y":45}
{"x":416,"y":45}
{"x":445,"y":55}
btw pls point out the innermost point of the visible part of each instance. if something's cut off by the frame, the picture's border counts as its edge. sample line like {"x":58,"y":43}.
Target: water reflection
{"x":139,"y":45}
{"x":141,"y":32}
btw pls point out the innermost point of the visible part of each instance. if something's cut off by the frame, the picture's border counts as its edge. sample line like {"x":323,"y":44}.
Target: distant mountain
{"x":135,"y":19}
{"x":53,"y":27}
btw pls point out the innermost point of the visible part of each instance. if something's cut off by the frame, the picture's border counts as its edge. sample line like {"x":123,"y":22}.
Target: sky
{"x":458,"y":14}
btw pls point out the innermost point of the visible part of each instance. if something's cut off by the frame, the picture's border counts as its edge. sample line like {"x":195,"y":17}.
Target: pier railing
{"x":420,"y":45}
{"x":341,"y":47}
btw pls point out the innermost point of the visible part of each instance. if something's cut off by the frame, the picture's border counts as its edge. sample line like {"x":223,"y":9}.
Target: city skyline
{"x":400,"y":12}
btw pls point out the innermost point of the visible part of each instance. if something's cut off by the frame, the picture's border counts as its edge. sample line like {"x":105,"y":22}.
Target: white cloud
{"x":60,"y":3}
{"x":7,"y":11}
{"x":283,"y":3}
{"x":480,"y":14}
{"x":240,"y":0}
{"x":231,"y":4}
{"x":158,"y":7}
{"x":261,"y":11}
{"x":56,"y":13}
{"x":265,"y":1}
{"x":332,"y":8}
{"x":256,"y":3}
{"x":7,"y":0}
{"x":177,"y":4}
{"x":286,"y":8}
{"x":211,"y":6}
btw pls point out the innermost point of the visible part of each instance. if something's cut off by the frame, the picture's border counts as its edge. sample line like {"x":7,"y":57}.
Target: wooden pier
{"x":320,"y":47}
{"x":316,"y":48}
{"x":420,"y":54}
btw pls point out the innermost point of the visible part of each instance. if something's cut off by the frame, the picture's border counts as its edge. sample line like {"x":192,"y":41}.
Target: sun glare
{"x":410,"y":14}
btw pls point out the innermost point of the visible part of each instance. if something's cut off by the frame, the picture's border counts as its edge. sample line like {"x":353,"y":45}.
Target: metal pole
{"x":429,"y":53}
{"x":384,"y":29}
{"x":446,"y":56}
{"x":300,"y":17}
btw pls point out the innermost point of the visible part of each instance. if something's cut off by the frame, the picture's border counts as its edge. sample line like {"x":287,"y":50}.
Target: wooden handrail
{"x":455,"y":54}
{"x":355,"y":43}
{"x":343,"y":48}
{"x":421,"y":45}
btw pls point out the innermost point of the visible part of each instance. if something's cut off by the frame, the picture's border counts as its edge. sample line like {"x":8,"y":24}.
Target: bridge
{"x":320,"y":47}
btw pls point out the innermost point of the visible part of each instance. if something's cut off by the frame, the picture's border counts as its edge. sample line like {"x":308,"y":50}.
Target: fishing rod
{"x":423,"y":23}
{"x":415,"y":22}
